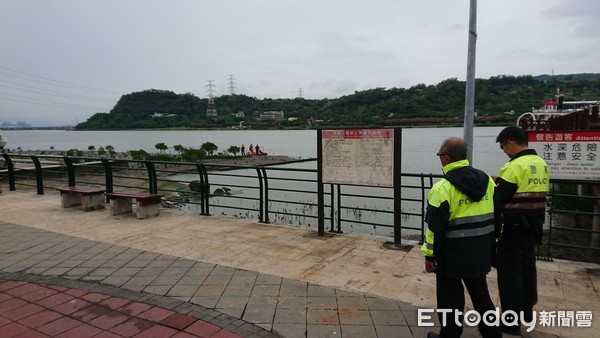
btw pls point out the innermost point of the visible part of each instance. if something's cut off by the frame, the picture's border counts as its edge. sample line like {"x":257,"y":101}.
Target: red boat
{"x":252,"y":153}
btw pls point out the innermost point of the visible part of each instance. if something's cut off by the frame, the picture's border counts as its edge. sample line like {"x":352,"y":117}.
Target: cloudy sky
{"x":63,"y":60}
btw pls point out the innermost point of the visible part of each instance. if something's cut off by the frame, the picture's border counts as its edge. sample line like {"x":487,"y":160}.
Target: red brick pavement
{"x":35,"y":310}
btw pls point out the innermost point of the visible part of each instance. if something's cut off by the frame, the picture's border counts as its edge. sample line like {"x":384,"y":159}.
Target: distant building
{"x":18,"y":125}
{"x":162,"y":115}
{"x":310,"y":121}
{"x":272,"y":115}
{"x":550,"y":105}
{"x":239,"y":114}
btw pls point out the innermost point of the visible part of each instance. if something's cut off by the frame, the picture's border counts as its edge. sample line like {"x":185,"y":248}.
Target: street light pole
{"x":470,"y":87}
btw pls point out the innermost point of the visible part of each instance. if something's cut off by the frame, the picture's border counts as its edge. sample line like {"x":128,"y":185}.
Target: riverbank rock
{"x":195,"y":186}
{"x":222,"y":191}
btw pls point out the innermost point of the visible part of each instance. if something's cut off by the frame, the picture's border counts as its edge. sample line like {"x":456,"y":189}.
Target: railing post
{"x":200,"y":169}
{"x":266,"y":190}
{"x":260,"y":196}
{"x":205,"y":189}
{"x":551,"y":212}
{"x":38,"y":175}
{"x":595,"y":191}
{"x":423,"y":207}
{"x":152,"y":184}
{"x":339,"y":209}
{"x":70,"y":170}
{"x":108,"y":175}
{"x":332,"y":209}
{"x":11,"y":172}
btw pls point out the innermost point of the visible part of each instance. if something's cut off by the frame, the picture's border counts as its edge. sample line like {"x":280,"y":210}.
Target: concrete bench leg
{"x":146,"y":211}
{"x":120,"y":206}
{"x":69,"y":199}
{"x":92,"y":202}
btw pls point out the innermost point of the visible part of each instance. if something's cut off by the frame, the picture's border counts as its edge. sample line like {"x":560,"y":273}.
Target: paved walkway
{"x":31,"y":309}
{"x":229,"y":277}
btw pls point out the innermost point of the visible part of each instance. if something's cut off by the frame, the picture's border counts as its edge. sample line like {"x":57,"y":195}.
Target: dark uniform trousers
{"x":517,"y":276}
{"x":451,"y":295}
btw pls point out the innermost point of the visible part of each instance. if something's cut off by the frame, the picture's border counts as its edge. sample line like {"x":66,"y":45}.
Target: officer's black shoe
{"x":432,"y":335}
{"x":528,"y":315}
{"x":514,"y":330}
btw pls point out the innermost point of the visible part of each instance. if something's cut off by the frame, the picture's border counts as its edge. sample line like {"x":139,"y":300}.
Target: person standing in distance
{"x":460,"y":238}
{"x":522,"y":185}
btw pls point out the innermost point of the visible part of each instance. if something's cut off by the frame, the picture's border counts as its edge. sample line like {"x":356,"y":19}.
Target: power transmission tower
{"x":300,"y":92}
{"x":211,"y":111}
{"x":231,"y":84}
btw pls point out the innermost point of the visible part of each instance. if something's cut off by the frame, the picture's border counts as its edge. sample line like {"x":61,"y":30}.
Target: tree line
{"x":188,"y":154}
{"x":441,"y":103}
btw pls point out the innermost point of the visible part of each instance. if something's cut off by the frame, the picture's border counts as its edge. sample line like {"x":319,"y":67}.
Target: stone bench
{"x":147,"y":205}
{"x":89,"y":198}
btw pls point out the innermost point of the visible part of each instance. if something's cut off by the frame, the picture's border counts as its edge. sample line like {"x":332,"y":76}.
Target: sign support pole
{"x":397,"y":186}
{"x":320,"y":189}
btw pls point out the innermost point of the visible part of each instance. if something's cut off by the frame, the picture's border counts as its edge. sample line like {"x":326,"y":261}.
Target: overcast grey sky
{"x":63,"y":60}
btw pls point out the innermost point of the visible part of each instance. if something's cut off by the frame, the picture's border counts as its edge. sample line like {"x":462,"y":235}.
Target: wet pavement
{"x":65,"y":272}
{"x":31,"y":309}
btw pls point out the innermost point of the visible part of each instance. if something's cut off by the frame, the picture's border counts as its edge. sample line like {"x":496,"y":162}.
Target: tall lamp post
{"x":470,"y":87}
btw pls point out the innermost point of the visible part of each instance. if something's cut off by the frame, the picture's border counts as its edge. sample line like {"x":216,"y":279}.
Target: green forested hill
{"x":441,"y":103}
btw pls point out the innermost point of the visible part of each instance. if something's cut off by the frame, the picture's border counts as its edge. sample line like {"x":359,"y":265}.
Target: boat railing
{"x":586,"y":118}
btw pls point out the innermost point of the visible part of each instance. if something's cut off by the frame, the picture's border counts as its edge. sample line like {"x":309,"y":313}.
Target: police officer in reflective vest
{"x":522,"y":185}
{"x":460,"y":238}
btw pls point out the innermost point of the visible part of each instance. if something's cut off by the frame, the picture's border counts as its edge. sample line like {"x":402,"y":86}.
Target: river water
{"x":419,"y":145}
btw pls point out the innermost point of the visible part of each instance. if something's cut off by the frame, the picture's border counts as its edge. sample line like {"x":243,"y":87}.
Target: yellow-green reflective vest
{"x":531,"y":175}
{"x":524,"y":214}
{"x":467,"y":218}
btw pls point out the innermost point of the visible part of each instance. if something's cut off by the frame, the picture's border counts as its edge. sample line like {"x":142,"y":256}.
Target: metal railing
{"x":288,"y":195}
{"x":279,"y":194}
{"x":574,"y":221}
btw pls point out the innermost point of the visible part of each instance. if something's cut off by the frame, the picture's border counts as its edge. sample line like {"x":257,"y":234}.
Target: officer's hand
{"x":430,"y":266}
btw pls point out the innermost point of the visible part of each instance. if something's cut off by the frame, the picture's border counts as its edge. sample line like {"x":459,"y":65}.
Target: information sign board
{"x":358,"y":157}
{"x":569,"y":154}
